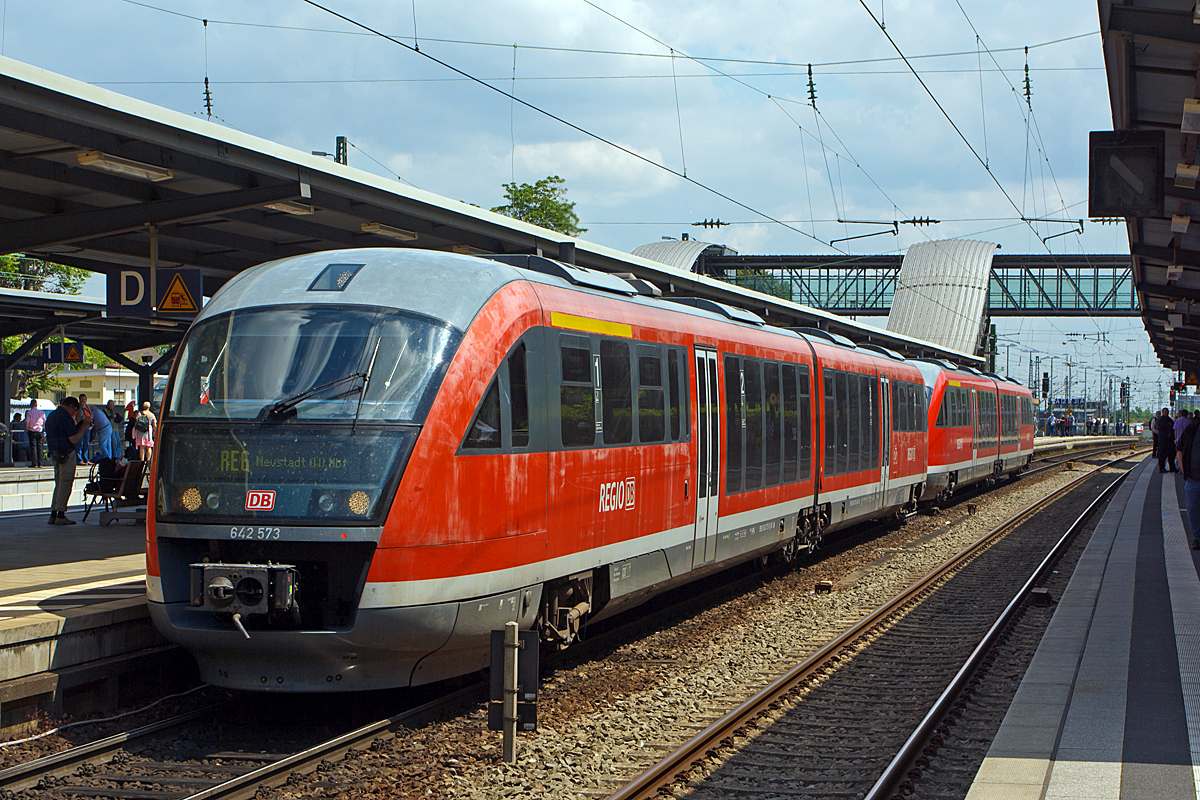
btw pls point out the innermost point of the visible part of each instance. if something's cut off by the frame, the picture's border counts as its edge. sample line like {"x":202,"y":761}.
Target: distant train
{"x":370,"y":459}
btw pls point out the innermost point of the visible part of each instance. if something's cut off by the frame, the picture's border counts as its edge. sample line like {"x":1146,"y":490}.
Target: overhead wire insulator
{"x":208,"y":104}
{"x":1028,"y":85}
{"x":710,"y":223}
{"x":812,"y":88}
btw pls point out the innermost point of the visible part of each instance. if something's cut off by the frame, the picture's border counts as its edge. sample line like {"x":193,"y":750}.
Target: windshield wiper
{"x":362,"y":394}
{"x":288,"y":403}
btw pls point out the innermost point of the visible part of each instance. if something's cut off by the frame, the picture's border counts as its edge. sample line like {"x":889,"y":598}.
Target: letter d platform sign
{"x":180,"y":292}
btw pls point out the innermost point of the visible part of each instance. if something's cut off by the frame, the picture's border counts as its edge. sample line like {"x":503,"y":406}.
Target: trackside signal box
{"x":527,"y":681}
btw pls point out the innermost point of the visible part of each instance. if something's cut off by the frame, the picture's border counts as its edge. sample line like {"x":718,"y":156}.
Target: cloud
{"x":586,"y":163}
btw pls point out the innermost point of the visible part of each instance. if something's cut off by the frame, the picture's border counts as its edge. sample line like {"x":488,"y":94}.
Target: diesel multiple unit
{"x":370,"y":459}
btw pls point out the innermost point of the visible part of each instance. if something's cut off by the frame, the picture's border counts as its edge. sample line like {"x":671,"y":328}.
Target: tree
{"x":543,"y":203}
{"x":20,"y":381}
{"x":36,"y":275}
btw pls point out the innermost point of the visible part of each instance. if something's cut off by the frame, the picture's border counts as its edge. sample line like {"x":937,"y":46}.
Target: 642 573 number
{"x":251,"y":532}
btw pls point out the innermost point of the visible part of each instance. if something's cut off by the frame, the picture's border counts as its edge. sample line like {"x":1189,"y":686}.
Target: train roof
{"x":446,"y":286}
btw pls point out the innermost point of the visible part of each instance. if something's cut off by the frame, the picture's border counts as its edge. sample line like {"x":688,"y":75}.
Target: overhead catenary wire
{"x":953,"y":125}
{"x":569,"y":124}
{"x":813,"y":104}
{"x":594,"y":51}
{"x":678,"y":114}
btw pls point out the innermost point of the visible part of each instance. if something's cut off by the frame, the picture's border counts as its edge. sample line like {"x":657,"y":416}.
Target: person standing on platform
{"x":1181,"y":422}
{"x":1189,"y":461}
{"x":143,"y":432}
{"x":63,"y":435}
{"x":85,"y":444}
{"x":102,"y":432}
{"x":1154,"y":433}
{"x":115,"y":418}
{"x":35,"y":425}
{"x":1166,"y":442}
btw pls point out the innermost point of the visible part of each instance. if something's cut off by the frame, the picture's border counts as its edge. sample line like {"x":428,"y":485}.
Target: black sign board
{"x":1125,"y":173}
{"x":527,"y":681}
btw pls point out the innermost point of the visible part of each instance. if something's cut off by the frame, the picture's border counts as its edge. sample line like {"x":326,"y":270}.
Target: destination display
{"x":290,"y":472}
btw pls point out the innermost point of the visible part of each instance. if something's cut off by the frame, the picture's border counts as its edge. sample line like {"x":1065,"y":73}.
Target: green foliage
{"x":36,"y":275}
{"x":20,"y":381}
{"x":543,"y":203}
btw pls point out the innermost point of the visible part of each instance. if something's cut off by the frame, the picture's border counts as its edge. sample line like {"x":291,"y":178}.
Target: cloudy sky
{"x":716,"y":90}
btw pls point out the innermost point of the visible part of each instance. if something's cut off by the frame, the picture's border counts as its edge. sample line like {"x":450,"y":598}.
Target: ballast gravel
{"x":603,"y":722}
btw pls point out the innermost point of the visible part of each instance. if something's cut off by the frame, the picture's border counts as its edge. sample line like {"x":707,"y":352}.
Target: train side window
{"x":733,"y":425}
{"x":854,"y":426}
{"x":651,"y":425}
{"x":805,"y":425}
{"x":900,"y":420}
{"x":673,"y":386}
{"x":752,"y":370}
{"x":791,"y":424}
{"x":518,"y":409}
{"x":943,"y":416}
{"x":577,"y":398}
{"x":773,"y":423}
{"x":485,"y":430}
{"x":830,"y":415}
{"x":843,"y":422}
{"x":617,"y":396}
{"x":919,"y":404}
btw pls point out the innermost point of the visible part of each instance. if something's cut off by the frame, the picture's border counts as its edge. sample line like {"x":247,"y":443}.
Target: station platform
{"x":75,"y":633}
{"x":28,"y":488}
{"x":1110,"y":704}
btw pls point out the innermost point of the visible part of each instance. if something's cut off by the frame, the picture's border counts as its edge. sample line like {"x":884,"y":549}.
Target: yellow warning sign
{"x":178,"y":299}
{"x":74,"y":354}
{"x":1193,"y":379}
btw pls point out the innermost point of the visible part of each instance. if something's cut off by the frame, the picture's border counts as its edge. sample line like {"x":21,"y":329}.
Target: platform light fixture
{"x":1186,"y":175}
{"x":1179,"y":223}
{"x":291,"y":207}
{"x":1191,"y":116}
{"x":468,"y":250}
{"x":379,"y":229}
{"x":124,"y":166}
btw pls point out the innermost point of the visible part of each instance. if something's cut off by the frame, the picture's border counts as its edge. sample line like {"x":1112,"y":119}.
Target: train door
{"x":974,"y":431}
{"x":708,"y":423}
{"x":885,"y":452}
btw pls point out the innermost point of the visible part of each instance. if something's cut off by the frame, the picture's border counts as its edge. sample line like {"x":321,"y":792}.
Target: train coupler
{"x":243,"y":589}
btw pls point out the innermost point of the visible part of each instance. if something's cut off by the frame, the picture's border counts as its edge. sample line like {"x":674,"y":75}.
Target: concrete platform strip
{"x":1185,"y":611}
{"x":1028,"y":760}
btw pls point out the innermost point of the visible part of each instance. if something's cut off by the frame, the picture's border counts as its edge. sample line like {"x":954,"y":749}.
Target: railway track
{"x":841,"y":718}
{"x":167,"y":760}
{"x":216,"y":772}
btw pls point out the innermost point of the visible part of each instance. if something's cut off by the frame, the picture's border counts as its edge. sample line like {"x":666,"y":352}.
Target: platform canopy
{"x":1152,"y":57}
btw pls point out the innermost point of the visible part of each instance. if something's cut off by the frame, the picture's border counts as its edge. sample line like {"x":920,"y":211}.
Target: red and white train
{"x":370,"y":459}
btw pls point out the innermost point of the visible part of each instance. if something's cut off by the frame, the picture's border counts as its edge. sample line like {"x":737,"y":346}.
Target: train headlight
{"x":359,"y":503}
{"x":325,"y":502}
{"x":213,"y":500}
{"x":191,"y":499}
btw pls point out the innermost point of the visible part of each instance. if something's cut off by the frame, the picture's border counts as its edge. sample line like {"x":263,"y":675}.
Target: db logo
{"x":618,"y":495}
{"x":260,"y":500}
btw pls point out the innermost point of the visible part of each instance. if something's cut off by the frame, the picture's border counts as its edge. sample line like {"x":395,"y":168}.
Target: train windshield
{"x":313,"y":362}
